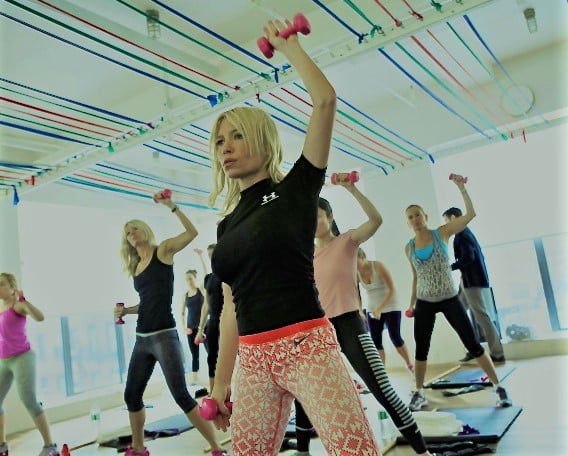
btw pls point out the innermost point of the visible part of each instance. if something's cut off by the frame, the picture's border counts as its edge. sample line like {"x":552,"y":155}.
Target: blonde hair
{"x":130,"y":258}
{"x":262,"y":138}
{"x":11,"y":279}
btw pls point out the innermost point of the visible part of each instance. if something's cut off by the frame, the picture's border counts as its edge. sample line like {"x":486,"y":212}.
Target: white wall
{"x":9,"y":238}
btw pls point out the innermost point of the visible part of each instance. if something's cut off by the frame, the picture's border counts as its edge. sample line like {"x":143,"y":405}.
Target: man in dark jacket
{"x":475,"y":286}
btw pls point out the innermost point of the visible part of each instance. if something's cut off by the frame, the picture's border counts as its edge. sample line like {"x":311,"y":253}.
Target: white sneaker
{"x":418,"y":401}
{"x":50,"y":450}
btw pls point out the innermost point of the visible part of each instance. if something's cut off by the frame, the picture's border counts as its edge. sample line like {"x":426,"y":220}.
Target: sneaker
{"x":49,"y":450}
{"x":498,"y":359}
{"x":4,"y":449}
{"x":201,"y":392}
{"x":502,"y":397}
{"x":418,"y":401}
{"x":219,"y":453}
{"x":467,"y":358}
{"x":132,"y":452}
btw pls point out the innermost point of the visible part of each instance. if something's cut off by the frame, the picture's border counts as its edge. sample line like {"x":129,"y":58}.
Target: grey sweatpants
{"x":22,"y":368}
{"x":479,"y":301}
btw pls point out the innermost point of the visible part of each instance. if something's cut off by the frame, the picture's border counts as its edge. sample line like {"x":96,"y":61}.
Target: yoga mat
{"x":467,"y":377}
{"x":169,"y":425}
{"x":491,"y":422}
{"x":166,"y":427}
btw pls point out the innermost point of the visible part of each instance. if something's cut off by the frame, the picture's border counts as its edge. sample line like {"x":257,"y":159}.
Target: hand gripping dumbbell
{"x":452,"y":175}
{"x":299,"y":24}
{"x":164,"y":194}
{"x":208,"y":409}
{"x":199,"y":340}
{"x":119,"y":320}
{"x":353,"y":177}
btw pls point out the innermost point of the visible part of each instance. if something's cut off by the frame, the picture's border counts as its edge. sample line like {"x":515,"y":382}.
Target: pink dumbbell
{"x":409,"y":313}
{"x":119,"y":320}
{"x":164,"y":194}
{"x":464,"y":179}
{"x":299,"y":25}
{"x":353,"y":176}
{"x":208,"y":408}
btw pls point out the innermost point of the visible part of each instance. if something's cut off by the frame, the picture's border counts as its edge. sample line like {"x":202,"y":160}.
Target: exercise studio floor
{"x":537,"y":385}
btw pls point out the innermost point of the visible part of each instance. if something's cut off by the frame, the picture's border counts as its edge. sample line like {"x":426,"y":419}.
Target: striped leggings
{"x":301,"y":360}
{"x":362,"y":354}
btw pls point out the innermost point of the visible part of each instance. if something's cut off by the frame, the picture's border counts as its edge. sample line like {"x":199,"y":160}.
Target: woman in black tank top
{"x":151,"y":266}
{"x":190,"y":314}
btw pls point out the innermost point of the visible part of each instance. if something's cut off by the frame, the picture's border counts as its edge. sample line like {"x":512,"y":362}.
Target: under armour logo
{"x":268,"y":198}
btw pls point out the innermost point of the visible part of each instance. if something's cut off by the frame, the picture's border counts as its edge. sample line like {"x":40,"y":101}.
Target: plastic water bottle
{"x":95,"y":415}
{"x":386,"y":428}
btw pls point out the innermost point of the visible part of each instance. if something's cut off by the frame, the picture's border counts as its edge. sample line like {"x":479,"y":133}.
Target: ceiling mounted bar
{"x":185,"y":115}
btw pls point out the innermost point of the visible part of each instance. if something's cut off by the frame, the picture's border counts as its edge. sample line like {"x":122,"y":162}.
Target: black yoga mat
{"x":467,"y":377}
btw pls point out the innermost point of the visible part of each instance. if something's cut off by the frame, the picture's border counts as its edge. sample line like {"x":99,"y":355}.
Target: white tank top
{"x":377,"y":290}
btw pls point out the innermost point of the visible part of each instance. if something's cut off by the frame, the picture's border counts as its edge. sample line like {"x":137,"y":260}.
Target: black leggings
{"x":362,"y":354}
{"x":212,"y":340}
{"x":425,"y":317}
{"x":392,"y":321}
{"x":164,"y":348}
{"x":194,"y":349}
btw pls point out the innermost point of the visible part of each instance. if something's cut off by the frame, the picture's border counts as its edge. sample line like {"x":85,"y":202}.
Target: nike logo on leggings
{"x":300,"y":340}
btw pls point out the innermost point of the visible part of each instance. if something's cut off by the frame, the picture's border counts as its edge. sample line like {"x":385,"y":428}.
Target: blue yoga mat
{"x":178,"y":423}
{"x":491,"y":422}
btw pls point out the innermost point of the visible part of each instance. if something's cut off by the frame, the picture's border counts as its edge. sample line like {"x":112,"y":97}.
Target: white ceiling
{"x":57,"y":81}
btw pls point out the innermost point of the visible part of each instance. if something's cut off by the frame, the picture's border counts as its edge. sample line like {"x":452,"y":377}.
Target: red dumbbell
{"x":166,"y":193}
{"x":199,"y":340}
{"x":299,"y":25}
{"x":409,"y":313}
{"x":208,"y":409}
{"x":452,"y":176}
{"x":353,"y":176}
{"x":119,"y":320}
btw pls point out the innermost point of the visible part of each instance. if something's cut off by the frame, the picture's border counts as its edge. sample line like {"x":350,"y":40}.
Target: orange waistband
{"x":281,"y":333}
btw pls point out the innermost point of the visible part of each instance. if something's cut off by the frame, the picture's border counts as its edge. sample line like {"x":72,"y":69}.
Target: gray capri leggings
{"x":23,"y":369}
{"x":165,"y":348}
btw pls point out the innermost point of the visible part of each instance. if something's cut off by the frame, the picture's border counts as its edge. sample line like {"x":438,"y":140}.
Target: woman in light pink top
{"x":17,"y":360}
{"x":335,"y":270}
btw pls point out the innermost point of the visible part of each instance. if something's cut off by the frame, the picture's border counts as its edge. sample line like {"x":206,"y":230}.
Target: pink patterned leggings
{"x":302,"y":361}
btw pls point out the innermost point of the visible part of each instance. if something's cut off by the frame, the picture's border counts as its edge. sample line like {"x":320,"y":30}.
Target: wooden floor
{"x":536,"y":385}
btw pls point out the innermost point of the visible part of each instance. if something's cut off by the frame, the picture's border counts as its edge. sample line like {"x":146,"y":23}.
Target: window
{"x":92,"y":343}
{"x":45,"y":339}
{"x":517,"y":281}
{"x":556,"y":251}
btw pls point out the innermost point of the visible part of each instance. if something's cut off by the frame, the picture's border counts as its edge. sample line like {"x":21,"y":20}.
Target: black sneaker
{"x":498,"y":359}
{"x":201,"y":392}
{"x":467,"y":358}
{"x":502,"y":397}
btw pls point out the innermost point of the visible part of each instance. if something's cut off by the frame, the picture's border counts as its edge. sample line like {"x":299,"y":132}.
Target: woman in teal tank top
{"x":434,"y":290}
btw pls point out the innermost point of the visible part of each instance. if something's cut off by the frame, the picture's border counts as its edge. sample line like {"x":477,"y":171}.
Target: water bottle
{"x":386,"y":428}
{"x":95,"y":415}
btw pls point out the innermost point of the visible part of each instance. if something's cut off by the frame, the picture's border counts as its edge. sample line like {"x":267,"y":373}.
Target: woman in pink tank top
{"x":17,"y":360}
{"x":335,"y":271}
